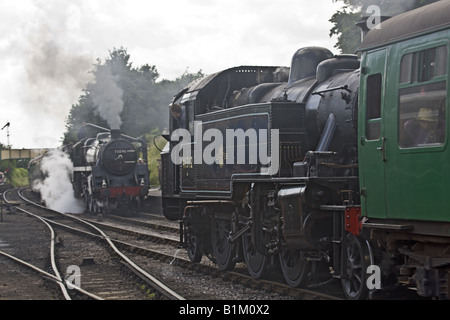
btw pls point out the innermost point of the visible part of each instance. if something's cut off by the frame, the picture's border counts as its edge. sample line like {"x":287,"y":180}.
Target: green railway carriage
{"x":404,"y":141}
{"x":404,"y":79}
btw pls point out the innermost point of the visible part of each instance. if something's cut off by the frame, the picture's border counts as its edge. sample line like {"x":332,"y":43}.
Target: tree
{"x":143,"y":104}
{"x":352,"y":11}
{"x":349,"y":35}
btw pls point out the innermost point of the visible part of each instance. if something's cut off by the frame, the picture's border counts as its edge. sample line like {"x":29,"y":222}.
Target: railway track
{"x":153,"y":243}
{"x":165,"y":244}
{"x":164,"y":238}
{"x":105,"y":271}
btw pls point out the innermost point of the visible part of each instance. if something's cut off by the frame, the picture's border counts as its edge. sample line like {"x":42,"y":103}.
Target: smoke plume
{"x":56,"y":189}
{"x":388,"y":7}
{"x":107,"y":96}
{"x":45,"y":55}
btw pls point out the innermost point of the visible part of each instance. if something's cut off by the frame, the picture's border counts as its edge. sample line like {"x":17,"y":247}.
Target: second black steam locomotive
{"x":110,"y":171}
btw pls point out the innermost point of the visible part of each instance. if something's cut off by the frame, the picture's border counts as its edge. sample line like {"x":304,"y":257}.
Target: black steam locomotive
{"x":296,"y":164}
{"x":251,"y":210}
{"x":110,"y":171}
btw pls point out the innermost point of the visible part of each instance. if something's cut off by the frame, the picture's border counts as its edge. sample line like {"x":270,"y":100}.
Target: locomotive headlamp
{"x":142,"y":182}
{"x":103,"y":184}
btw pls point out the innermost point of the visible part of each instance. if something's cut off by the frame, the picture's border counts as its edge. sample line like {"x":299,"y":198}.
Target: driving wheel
{"x":294,"y":266}
{"x":256,"y":261}
{"x":356,"y":260}
{"x":224,"y":250}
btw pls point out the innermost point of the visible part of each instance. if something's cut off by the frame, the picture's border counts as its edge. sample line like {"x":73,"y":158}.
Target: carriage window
{"x":373,"y":104}
{"x":424,"y":65}
{"x":406,"y":69}
{"x":422,"y":98}
{"x":422,"y":115}
{"x":434,"y":63}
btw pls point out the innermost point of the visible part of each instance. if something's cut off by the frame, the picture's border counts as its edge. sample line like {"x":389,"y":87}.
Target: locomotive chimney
{"x":362,"y":24}
{"x":115,"y":134}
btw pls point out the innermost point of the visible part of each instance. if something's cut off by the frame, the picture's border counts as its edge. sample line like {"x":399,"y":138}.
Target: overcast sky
{"x":47,"y":47}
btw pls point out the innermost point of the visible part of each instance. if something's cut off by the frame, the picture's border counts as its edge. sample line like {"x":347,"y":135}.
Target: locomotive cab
{"x":214,"y":93}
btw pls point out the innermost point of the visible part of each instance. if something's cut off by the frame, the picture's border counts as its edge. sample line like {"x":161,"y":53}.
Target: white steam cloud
{"x":46,"y":62}
{"x":107,"y":96}
{"x":56,"y":190}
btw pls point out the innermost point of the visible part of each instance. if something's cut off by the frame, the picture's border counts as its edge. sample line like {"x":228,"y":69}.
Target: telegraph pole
{"x":1,"y":207}
{"x":7,"y":134}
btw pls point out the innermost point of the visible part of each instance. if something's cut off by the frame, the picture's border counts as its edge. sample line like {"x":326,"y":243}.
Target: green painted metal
{"x":399,"y":180}
{"x":371,"y":135}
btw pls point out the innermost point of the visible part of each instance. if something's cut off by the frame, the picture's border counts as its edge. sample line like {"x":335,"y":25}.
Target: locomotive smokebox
{"x":116,"y":134}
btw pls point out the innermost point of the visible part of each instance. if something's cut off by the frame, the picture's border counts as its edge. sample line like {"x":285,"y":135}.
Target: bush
{"x":18,"y":177}
{"x":154,"y":155}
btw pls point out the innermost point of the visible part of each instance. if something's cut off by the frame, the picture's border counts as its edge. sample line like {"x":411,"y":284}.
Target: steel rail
{"x":166,"y":291}
{"x":52,"y":252}
{"x":50,"y":276}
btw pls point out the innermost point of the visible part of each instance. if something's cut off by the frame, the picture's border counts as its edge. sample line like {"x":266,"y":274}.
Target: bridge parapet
{"x":17,"y":154}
